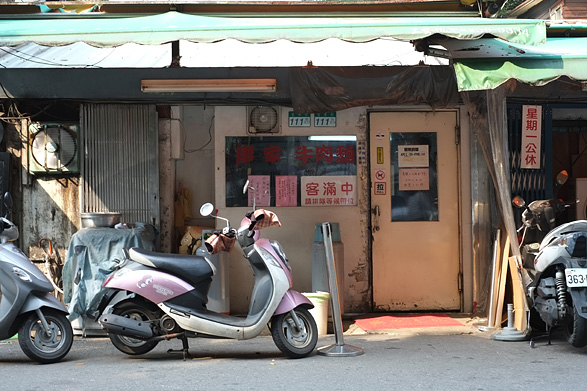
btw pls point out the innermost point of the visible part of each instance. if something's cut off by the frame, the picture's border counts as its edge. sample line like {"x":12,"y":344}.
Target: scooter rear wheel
{"x":576,"y":330}
{"x":133,"y":346}
{"x":40,"y":346}
{"x":294,"y":342}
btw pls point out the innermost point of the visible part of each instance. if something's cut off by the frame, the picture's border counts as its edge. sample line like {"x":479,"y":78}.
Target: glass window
{"x":277,"y":165}
{"x":414,"y":182}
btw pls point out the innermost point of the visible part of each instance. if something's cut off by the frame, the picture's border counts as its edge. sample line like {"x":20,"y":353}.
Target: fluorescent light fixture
{"x":332,"y":138}
{"x":209,"y":85}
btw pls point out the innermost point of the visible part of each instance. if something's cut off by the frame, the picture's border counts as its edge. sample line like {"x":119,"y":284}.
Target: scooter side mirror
{"x":207,"y":209}
{"x":562,"y":177}
{"x":246,"y":187}
{"x":519,"y":202}
{"x":7,"y":200}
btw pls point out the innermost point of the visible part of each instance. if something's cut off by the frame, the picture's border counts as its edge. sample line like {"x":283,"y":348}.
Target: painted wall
{"x":298,"y":223}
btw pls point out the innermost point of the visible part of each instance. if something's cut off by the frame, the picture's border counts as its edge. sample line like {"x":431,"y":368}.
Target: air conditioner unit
{"x":53,"y":148}
{"x":263,"y":119}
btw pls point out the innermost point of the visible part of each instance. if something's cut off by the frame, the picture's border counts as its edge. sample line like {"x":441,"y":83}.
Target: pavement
{"x":451,"y":358}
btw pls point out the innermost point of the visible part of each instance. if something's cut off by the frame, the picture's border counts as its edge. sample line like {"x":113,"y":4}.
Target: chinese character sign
{"x":414,"y":179}
{"x":278,"y":163}
{"x":286,"y":190}
{"x":329,"y":190}
{"x":262,"y":186}
{"x":412,"y":155}
{"x":531,"y":136}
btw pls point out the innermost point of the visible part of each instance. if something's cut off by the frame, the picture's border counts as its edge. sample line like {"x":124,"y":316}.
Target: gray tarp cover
{"x":326,"y":89}
{"x":91,"y":257}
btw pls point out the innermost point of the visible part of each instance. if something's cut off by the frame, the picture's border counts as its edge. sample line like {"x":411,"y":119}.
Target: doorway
{"x":415,"y":211}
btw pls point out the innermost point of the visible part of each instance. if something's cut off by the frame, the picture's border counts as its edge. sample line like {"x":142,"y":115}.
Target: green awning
{"x":536,"y":66}
{"x":103,"y":31}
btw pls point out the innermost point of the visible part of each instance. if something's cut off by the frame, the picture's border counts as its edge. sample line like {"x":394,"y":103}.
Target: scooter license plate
{"x":576,"y":277}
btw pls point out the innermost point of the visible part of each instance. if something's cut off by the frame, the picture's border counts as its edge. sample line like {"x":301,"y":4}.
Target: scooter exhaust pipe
{"x":120,"y":325}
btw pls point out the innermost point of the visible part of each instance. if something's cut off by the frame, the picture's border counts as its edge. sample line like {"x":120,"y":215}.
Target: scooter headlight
{"x":575,"y":244}
{"x":267,"y":257}
{"x":279,"y":250}
{"x":21,"y":274}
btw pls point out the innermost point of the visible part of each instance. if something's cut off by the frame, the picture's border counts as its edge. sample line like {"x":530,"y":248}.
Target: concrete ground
{"x":429,"y":358}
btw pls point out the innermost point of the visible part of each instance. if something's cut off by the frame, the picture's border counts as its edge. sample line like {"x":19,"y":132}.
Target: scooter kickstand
{"x":185,"y":348}
{"x":543,"y":335}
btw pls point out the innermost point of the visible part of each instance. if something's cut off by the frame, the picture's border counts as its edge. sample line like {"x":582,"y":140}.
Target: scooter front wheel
{"x":293,"y":341}
{"x":45,"y":347}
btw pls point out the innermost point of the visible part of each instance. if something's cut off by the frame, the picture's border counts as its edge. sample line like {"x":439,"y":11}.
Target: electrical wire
{"x":35,"y":59}
{"x":207,"y":142}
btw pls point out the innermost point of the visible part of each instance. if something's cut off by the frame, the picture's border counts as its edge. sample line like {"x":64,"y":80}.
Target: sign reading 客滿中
{"x":280,"y":163}
{"x":329,"y":190}
{"x":531,"y":136}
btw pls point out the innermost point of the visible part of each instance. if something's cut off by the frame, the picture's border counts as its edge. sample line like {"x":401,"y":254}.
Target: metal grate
{"x":120,"y":164}
{"x":530,"y":184}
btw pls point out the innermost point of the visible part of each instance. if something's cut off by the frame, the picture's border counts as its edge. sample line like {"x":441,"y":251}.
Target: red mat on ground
{"x":406,"y":321}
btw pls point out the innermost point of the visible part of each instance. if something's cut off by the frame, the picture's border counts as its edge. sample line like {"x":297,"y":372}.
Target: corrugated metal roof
{"x":227,"y":53}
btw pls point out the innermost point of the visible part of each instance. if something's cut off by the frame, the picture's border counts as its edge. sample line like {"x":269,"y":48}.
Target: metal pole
{"x":491,"y":316}
{"x":339,"y":349}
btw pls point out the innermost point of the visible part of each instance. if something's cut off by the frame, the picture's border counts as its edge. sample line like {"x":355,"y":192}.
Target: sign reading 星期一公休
{"x":531,"y":136}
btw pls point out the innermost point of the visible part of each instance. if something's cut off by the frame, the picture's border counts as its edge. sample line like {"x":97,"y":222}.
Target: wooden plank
{"x":502,"y":281}
{"x":496,"y":277}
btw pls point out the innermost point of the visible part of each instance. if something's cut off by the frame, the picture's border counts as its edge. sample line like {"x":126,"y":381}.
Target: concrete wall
{"x":298,"y":223}
{"x":195,"y":168}
{"x":45,"y":207}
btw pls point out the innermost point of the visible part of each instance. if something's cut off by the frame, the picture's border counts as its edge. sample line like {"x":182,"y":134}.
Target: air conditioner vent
{"x":263,"y":119}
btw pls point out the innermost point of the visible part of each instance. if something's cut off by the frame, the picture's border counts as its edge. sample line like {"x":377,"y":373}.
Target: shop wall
{"x":44,"y":206}
{"x":298,"y":223}
{"x":193,"y":147}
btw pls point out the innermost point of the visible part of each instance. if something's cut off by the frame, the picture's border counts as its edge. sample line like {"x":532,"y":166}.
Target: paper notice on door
{"x":413,"y":155}
{"x":286,"y":190}
{"x":414,"y":179}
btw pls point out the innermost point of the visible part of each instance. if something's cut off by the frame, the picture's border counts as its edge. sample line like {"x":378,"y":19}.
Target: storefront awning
{"x":101,"y":30}
{"x":488,"y":63}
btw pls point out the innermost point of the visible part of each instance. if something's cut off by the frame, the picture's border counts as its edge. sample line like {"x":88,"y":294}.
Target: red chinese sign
{"x":531,"y":137}
{"x":329,"y":190}
{"x":272,"y":154}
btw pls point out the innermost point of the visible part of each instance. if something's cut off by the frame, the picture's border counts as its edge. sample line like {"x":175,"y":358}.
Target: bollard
{"x":510,"y":333}
{"x":339,"y":349}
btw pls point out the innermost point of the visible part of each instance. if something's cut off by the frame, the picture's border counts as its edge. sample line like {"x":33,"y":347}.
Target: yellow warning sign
{"x":379,"y":155}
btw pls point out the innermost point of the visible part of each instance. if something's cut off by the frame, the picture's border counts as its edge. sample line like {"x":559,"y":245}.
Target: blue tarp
{"x":91,"y":258}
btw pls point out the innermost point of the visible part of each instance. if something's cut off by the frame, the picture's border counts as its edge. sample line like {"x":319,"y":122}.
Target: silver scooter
{"x":555,"y":260}
{"x":26,"y":305}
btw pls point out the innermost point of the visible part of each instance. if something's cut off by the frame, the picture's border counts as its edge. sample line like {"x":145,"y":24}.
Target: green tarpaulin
{"x":101,"y":30}
{"x":536,"y":66}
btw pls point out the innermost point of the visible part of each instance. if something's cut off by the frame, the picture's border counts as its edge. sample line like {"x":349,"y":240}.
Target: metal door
{"x":415,"y":211}
{"x":120,"y":168}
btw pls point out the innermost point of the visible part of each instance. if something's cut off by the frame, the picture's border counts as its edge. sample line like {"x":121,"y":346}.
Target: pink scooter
{"x":155,"y":296}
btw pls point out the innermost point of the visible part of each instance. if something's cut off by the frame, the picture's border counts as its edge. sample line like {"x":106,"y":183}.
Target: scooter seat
{"x":194,"y":268}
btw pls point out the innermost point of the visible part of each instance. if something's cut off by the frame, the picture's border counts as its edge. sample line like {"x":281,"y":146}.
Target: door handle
{"x":376,"y":213}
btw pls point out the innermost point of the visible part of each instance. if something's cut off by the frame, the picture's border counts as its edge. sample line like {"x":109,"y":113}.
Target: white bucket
{"x":320,"y":310}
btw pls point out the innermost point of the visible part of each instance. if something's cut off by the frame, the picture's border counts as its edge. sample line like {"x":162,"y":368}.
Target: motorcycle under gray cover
{"x":91,"y":257}
{"x":327,"y":89}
